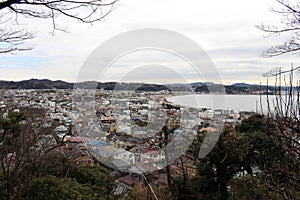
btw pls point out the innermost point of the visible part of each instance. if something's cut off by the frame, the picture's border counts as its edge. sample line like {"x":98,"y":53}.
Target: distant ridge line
{"x":236,"y":88}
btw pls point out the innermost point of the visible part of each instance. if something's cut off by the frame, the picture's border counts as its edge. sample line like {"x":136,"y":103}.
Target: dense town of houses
{"x":124,"y":130}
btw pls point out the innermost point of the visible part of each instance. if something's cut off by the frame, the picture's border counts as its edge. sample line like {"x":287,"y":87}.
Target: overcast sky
{"x":224,"y":29}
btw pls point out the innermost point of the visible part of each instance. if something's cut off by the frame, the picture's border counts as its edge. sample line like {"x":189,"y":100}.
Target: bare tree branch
{"x":85,"y":11}
{"x":11,"y":40}
{"x":290,"y":25}
{"x":276,"y":71}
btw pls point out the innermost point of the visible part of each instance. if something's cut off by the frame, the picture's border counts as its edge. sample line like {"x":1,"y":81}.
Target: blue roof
{"x":98,"y":143}
{"x":178,"y":131}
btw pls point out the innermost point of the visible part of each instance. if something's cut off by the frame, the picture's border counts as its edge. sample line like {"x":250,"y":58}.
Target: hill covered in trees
{"x":201,"y":87}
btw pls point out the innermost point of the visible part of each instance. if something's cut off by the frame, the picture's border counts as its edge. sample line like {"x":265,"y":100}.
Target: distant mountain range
{"x":204,"y":87}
